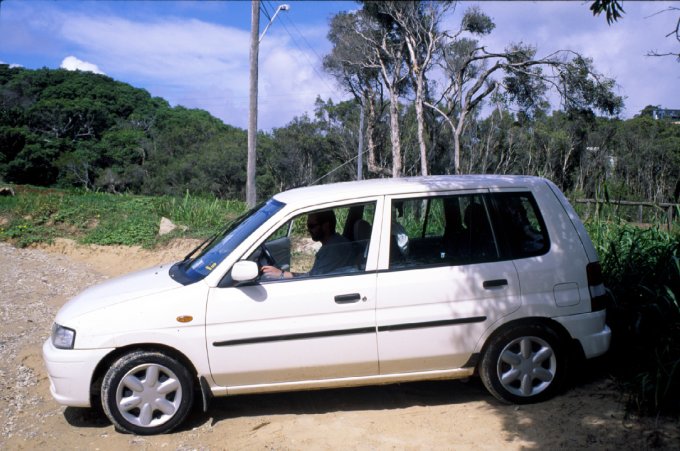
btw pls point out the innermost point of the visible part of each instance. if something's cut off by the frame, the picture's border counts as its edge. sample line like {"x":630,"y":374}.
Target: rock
{"x":166,"y":227}
{"x":6,"y":191}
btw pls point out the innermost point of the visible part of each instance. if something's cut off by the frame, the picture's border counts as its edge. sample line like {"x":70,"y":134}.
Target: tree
{"x":347,"y":64}
{"x":419,"y":24}
{"x":300,"y":154}
{"x":339,"y":124}
{"x":473,"y":73}
{"x":613,"y":9}
{"x":369,"y":43}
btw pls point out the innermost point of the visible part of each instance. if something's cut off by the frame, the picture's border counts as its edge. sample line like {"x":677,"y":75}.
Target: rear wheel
{"x":523,"y":364}
{"x":147,"y":393}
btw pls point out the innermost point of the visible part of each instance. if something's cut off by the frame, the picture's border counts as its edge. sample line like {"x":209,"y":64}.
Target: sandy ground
{"x":433,"y":415}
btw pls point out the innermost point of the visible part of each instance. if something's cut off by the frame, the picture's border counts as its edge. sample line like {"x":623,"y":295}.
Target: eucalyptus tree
{"x":515,"y":76}
{"x":613,"y":9}
{"x":419,"y":25}
{"x":348,"y":65}
{"x":367,"y":44}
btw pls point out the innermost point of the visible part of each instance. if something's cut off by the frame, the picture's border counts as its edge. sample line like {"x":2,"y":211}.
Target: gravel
{"x":34,"y":284}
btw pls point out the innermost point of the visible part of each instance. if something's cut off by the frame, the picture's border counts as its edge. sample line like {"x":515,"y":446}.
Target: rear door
{"x":439,"y":293}
{"x":547,"y":252}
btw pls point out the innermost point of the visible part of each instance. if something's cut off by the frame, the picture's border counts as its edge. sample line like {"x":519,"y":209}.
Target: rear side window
{"x":449,"y":230}
{"x":521,"y":224}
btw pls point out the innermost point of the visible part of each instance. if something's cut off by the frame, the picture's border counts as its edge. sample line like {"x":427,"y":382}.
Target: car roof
{"x":404,"y":185}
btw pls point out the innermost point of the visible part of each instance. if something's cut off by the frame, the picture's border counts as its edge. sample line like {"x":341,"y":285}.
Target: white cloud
{"x":73,"y":63}
{"x":171,"y":50}
{"x":202,"y":65}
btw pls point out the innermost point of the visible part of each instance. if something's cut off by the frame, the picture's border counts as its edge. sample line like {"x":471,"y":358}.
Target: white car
{"x":416,"y":278}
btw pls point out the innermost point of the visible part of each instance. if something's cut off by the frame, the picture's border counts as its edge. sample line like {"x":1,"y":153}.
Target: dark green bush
{"x":642,"y":269}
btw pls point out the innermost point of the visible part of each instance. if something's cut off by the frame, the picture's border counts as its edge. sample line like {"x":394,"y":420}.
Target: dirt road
{"x":433,"y":415}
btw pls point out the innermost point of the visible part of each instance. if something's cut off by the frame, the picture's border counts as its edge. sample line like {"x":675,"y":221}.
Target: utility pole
{"x":251,"y":194}
{"x":255,"y":38}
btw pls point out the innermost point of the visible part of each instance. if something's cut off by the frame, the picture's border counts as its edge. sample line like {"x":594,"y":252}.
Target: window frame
{"x":503,"y":237}
{"x":288,"y":219}
{"x":484,"y":193}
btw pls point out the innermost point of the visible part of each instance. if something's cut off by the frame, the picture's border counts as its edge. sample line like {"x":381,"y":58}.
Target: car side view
{"x":347,"y":284}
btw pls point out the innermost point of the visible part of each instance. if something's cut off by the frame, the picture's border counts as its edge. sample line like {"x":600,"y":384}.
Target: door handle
{"x":488,"y":284}
{"x":347,"y":298}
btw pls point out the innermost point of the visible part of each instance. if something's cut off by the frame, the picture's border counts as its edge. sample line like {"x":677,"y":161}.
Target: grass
{"x":39,"y":215}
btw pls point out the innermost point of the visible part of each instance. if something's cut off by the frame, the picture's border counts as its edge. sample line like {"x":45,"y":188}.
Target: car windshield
{"x":216,"y":248}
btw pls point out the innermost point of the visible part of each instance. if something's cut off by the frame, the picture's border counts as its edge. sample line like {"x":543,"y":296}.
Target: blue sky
{"x":195,"y":53}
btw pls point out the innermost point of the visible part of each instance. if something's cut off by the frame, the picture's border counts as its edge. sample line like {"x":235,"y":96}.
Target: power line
{"x":263,"y":8}
{"x":305,"y":53}
{"x":337,"y":168}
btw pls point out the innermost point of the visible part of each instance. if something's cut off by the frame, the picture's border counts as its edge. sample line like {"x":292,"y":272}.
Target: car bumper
{"x":70,"y":372}
{"x":591,"y":330}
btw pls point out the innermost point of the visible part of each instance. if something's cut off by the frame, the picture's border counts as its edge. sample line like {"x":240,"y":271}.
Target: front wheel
{"x":147,"y":393}
{"x":524,"y":364}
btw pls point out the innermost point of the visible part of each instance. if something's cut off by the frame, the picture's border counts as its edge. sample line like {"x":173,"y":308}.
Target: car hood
{"x":120,"y":289}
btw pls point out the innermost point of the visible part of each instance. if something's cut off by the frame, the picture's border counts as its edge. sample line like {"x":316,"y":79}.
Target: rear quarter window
{"x":521,"y":225}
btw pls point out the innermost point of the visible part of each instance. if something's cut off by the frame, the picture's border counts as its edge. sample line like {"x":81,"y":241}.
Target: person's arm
{"x":272,"y":272}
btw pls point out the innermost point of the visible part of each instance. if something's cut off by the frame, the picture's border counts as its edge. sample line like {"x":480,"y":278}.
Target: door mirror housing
{"x":244,"y":271}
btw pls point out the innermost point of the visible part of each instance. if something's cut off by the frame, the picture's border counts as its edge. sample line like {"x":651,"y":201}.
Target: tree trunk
{"x":394,"y":133}
{"x":421,"y":123}
{"x":457,"y":132}
{"x":372,"y":165}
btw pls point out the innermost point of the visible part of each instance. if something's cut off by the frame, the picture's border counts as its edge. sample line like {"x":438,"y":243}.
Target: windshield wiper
{"x":207,"y":242}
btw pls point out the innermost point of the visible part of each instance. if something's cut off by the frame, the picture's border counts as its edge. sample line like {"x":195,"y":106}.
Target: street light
{"x":280,"y":8}
{"x":255,"y":38}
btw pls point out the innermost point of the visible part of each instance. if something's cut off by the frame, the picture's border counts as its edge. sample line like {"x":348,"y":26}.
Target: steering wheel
{"x":266,"y":257}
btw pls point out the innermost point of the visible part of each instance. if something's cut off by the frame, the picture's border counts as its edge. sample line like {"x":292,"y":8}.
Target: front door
{"x":307,"y":328}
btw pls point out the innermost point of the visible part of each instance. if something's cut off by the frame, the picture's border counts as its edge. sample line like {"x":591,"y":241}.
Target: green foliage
{"x":613,"y":9}
{"x":581,"y":90}
{"x":24,"y":232}
{"x":642,"y":269}
{"x":476,"y":22}
{"x":39,"y":215}
{"x":77,"y":129}
{"x":203,"y":215}
{"x":125,"y":228}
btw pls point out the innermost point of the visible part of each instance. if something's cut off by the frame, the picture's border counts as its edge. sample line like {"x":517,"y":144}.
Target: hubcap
{"x":526,"y":366}
{"x":149,"y":395}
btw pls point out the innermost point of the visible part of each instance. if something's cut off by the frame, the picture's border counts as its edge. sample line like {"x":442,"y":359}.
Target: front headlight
{"x":63,"y":337}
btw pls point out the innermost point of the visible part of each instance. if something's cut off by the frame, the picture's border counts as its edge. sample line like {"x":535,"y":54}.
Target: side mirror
{"x":244,"y":271}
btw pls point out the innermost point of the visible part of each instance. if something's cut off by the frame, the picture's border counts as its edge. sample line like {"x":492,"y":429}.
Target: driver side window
{"x":319,"y":243}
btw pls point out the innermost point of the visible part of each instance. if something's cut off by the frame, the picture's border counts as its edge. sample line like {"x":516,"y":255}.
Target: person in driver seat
{"x":336,"y":250}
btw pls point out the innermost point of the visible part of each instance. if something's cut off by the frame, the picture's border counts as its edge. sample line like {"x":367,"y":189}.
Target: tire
{"x":523,"y":364}
{"x":147,"y":393}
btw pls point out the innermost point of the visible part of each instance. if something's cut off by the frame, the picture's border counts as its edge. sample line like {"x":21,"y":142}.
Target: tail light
{"x":598,"y":294}
{"x":594,"y":271}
